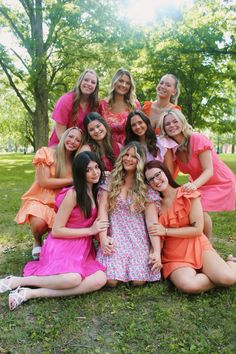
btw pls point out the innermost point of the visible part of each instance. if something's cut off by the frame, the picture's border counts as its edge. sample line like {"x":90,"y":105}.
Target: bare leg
{"x":38,"y":227}
{"x":189,"y":281}
{"x":138,"y":283}
{"x":112,"y":283}
{"x":207,"y":229}
{"x":220,"y":272}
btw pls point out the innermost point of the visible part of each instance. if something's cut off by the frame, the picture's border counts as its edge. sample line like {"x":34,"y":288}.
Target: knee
{"x":72,"y":280}
{"x":112,"y":283}
{"x":38,"y":227}
{"x":100,"y":280}
{"x":188,"y":286}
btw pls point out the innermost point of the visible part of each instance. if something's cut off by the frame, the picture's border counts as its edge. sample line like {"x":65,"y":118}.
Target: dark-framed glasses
{"x":157,"y":176}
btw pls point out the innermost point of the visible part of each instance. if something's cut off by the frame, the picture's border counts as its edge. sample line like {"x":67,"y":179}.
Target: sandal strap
{"x":4,"y":286}
{"x":18,"y":296}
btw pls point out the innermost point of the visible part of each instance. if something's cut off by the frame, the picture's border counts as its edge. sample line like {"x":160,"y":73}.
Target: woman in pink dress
{"x":168,"y":91}
{"x":188,"y":257}
{"x":120,"y":102}
{"x":125,"y":249}
{"x":72,"y":107}
{"x":52,"y":172}
{"x":196,"y":156}
{"x":138,"y":128}
{"x":97,"y":138}
{"x":67,"y":264}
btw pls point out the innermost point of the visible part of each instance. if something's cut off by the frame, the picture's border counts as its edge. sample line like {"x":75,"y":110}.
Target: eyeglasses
{"x":157,"y":176}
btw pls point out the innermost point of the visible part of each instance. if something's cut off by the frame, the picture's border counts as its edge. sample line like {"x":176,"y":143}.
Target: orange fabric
{"x":181,"y":252}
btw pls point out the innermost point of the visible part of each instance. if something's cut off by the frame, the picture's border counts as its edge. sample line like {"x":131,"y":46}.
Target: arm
{"x":194,"y":229}
{"x":207,"y":171}
{"x":105,"y":241}
{"x":168,"y":161}
{"x":45,"y":181}
{"x":60,"y":230}
{"x":60,"y":129}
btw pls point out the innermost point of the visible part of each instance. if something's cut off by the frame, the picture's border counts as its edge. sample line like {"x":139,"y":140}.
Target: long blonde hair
{"x":117,"y":179}
{"x":60,"y":154}
{"x":130,"y":97}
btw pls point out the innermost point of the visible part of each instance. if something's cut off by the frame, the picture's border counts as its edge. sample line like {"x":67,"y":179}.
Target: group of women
{"x":109,"y":173}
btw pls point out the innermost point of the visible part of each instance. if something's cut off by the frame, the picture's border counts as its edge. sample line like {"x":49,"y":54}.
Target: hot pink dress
{"x":64,"y":255}
{"x":218,"y":193}
{"x":116,"y":121}
{"x":62,"y":114}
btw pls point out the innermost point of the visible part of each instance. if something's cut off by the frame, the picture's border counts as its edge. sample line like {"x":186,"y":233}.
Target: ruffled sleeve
{"x":63,"y":109}
{"x":153,"y":196}
{"x":200,"y":143}
{"x":137,"y":104}
{"x":44,"y":156}
{"x":147,"y":107}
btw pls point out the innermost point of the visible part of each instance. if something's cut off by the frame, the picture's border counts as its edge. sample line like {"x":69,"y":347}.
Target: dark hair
{"x":91,"y":117}
{"x":79,"y":169}
{"x":150,"y":136}
{"x":157,"y":164}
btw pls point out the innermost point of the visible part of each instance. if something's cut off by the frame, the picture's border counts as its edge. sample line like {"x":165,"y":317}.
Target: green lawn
{"x":153,"y":319}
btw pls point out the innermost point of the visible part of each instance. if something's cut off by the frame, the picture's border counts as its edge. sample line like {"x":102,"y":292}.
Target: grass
{"x":153,"y":319}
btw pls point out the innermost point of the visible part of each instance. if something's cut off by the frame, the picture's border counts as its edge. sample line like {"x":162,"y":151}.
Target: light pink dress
{"x":63,"y":115}
{"x":163,"y":144}
{"x":218,"y":193}
{"x":116,"y":121}
{"x":64,"y":255}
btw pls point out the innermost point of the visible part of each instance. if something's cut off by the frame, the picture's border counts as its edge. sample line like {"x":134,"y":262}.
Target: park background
{"x":44,"y":46}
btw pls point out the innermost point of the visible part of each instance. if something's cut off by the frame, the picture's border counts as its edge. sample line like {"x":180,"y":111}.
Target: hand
{"x":99,"y":226}
{"x":107,"y":245}
{"x":155,"y":261}
{"x":156,"y":230}
{"x":189,"y":187}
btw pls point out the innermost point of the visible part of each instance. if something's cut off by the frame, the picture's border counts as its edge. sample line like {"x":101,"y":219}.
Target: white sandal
{"x":5,"y":285}
{"x":16,"y":298}
{"x":231,"y":258}
{"x":36,"y":252}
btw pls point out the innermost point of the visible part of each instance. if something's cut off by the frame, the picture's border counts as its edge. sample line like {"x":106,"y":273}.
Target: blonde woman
{"x":195,"y":156}
{"x":72,"y":107}
{"x":53,"y":171}
{"x":168,"y":91}
{"x":125,"y":249}
{"x":121,"y":100}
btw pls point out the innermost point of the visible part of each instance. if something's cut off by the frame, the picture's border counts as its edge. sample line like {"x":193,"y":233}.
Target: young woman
{"x":53,"y":172}
{"x":138,"y":128}
{"x":72,"y":107}
{"x":120,"y":102}
{"x":188,"y":257}
{"x":98,"y":139}
{"x":67,"y":264}
{"x":168,"y":91}
{"x":125,"y":249}
{"x":196,"y":156}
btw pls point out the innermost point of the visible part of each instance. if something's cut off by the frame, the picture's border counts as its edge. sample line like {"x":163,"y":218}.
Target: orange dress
{"x":182,"y":252}
{"x":39,"y":201}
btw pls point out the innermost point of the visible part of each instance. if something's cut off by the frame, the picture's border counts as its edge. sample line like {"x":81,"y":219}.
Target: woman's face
{"x":122,"y":86}
{"x":166,"y":87}
{"x":73,"y":140}
{"x":172,"y":125}
{"x":156,"y":179}
{"x":93,"y":173}
{"x":130,"y":160}
{"x":88,"y":84}
{"x":138,"y":126}
{"x":97,"y":130}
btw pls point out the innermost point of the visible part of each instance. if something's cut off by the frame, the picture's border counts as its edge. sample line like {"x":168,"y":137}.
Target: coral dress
{"x":130,"y":260}
{"x":218,"y":193}
{"x":180,"y":252}
{"x":39,"y":201}
{"x":116,"y":121}
{"x":67,"y":255}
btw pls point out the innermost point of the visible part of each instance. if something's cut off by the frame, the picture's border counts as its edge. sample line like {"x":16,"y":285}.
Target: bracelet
{"x":166,"y":230}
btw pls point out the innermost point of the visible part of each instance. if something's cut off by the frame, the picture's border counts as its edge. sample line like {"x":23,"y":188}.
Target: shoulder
{"x":44,"y":155}
{"x":137,"y":104}
{"x":147,"y":107}
{"x":187,"y":195}
{"x":67,"y":98}
{"x":68,"y":195}
{"x":153,"y":196}
{"x":200,"y":143}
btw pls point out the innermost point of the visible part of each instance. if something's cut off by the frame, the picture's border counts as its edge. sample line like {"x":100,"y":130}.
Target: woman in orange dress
{"x":168,"y":91}
{"x":188,"y":257}
{"x":53,"y":172}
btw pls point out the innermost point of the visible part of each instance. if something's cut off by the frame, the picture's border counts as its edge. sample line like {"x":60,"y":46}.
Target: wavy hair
{"x":60,"y":153}
{"x":93,"y":98}
{"x":79,"y":169}
{"x":107,"y":142}
{"x":118,"y":175}
{"x":129,"y":97}
{"x":150,"y":136}
{"x":186,"y":130}
{"x":174,"y":98}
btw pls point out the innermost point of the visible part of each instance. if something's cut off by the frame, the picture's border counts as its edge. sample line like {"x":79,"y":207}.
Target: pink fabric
{"x":163,"y":143}
{"x":217,"y":194}
{"x":62,"y":114}
{"x":116,"y":121}
{"x":64,"y":255}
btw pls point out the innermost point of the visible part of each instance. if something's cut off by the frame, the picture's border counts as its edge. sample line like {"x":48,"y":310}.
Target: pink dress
{"x":130,"y":260}
{"x":74,"y":255}
{"x":62,"y":114}
{"x":218,"y":193}
{"x":116,"y":121}
{"x":163,"y":144}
